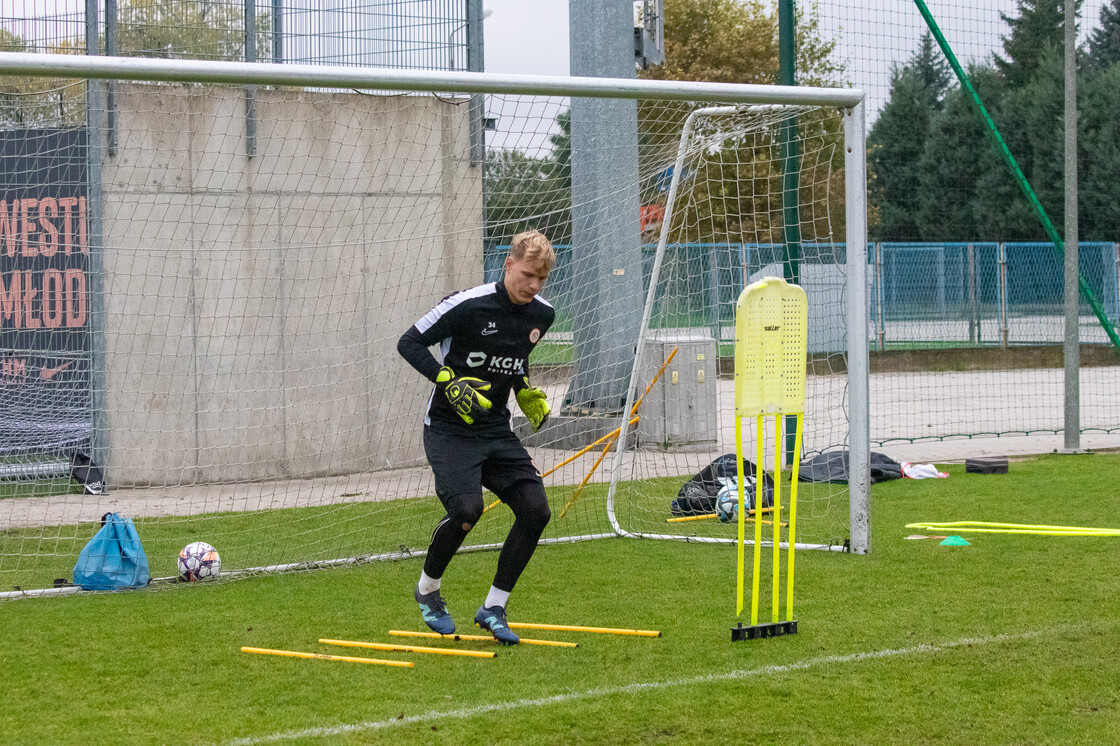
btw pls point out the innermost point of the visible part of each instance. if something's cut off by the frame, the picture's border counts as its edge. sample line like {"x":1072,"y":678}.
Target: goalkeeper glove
{"x":464,"y":393}
{"x":533,"y":404}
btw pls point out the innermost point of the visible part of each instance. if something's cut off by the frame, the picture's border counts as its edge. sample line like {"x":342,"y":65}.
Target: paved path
{"x":903,"y":406}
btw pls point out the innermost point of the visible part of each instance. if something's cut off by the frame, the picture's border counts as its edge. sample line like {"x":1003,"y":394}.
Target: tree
{"x":187,"y":29}
{"x":523,"y":192}
{"x":957,"y":150}
{"x":1030,"y":119}
{"x":733,"y":41}
{"x":1104,"y":41}
{"x":40,"y":102}
{"x":1038,"y":28}
{"x":1099,"y":138}
{"x":897,"y":141}
{"x":713,"y":40}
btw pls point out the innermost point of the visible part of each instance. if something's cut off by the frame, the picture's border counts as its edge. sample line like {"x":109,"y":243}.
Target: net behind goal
{"x":211,"y":309}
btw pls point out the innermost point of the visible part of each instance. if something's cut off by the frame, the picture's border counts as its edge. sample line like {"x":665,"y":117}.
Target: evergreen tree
{"x":1104,"y":41}
{"x":1038,"y":27}
{"x":895,"y":147}
{"x":1031,"y":121}
{"x":1099,"y":140}
{"x":956,"y":154}
{"x":897,"y":141}
{"x":932,"y":70}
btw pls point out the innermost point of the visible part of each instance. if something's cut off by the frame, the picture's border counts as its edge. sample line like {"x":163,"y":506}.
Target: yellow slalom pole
{"x":408,"y":648}
{"x":594,"y":466}
{"x":609,"y":436}
{"x":986,"y":527}
{"x":742,"y":514}
{"x":793,"y":515}
{"x":480,"y":638}
{"x":596,"y":630}
{"x":618,"y":431}
{"x":708,"y":516}
{"x":760,"y":422}
{"x":323,"y":657}
{"x":776,"y":579}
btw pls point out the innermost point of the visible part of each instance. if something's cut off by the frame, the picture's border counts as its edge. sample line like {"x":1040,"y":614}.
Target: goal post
{"x":727,"y":140}
{"x":217,"y":323}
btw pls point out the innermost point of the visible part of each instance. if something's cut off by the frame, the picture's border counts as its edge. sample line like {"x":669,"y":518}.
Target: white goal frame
{"x":855,"y":176}
{"x":849,"y":101}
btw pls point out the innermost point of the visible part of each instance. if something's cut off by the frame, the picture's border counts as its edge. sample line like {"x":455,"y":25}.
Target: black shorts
{"x":465,"y":463}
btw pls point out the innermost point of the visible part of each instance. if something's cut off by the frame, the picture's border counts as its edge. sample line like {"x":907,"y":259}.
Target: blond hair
{"x":533,"y":247}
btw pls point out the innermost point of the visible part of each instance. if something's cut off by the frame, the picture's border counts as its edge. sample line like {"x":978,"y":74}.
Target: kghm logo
{"x":507,"y":365}
{"x":476,"y":359}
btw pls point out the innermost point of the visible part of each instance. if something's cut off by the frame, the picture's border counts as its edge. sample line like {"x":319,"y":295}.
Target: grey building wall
{"x":254,"y":304}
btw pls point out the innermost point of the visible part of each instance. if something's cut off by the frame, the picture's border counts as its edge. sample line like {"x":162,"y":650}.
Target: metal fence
{"x":412,"y":34}
{"x":979,"y":294}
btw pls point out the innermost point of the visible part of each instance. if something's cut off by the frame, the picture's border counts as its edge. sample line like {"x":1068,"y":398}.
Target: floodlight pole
{"x":606,"y":236}
{"x":1072,"y":299}
{"x":95,"y":156}
{"x":791,"y":176}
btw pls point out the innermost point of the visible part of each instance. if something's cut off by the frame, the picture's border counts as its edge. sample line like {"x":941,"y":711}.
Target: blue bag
{"x":113,"y":558}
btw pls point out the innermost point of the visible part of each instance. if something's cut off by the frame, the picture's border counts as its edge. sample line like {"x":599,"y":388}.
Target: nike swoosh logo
{"x":48,"y":373}
{"x":489,"y":331}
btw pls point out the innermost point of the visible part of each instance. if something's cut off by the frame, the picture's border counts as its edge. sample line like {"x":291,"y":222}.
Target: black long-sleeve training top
{"x":481,"y":333}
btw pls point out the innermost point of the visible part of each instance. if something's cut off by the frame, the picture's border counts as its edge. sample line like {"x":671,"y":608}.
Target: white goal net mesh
{"x":210,"y":309}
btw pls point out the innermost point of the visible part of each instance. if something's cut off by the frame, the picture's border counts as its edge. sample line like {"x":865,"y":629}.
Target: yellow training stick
{"x":480,"y":638}
{"x":1016,"y":528}
{"x":618,"y":432}
{"x":597,"y":630}
{"x":408,"y":648}
{"x":323,"y":657}
{"x":594,"y":466}
{"x":705,"y":516}
{"x":609,"y":436}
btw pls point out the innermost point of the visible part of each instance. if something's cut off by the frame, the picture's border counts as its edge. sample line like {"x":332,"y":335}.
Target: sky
{"x":531,"y":36}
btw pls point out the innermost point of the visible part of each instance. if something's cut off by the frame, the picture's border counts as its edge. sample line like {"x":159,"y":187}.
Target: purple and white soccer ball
{"x":199,"y":561}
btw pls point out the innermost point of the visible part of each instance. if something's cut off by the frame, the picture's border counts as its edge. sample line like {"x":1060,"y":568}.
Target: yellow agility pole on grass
{"x":985,"y":527}
{"x":325,"y":657}
{"x":771,"y":341}
{"x":595,"y":630}
{"x":407,"y":648}
{"x":479,"y":638}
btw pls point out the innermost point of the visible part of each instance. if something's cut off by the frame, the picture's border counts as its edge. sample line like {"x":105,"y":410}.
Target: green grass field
{"x":1010,"y":640}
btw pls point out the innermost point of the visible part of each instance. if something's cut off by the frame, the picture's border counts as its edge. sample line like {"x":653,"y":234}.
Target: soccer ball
{"x":199,"y":561}
{"x":727,"y":503}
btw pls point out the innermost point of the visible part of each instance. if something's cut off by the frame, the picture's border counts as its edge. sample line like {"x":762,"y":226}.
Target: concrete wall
{"x":254,"y":304}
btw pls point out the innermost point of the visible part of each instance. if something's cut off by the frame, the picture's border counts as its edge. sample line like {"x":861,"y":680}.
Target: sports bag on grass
{"x":698,"y":495}
{"x":113,"y":558}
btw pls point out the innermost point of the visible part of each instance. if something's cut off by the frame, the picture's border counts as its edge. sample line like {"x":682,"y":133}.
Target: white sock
{"x":427,"y":584}
{"x":496,"y":598}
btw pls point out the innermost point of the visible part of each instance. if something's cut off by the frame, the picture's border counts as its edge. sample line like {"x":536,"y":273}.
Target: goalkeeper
{"x":485,"y":335}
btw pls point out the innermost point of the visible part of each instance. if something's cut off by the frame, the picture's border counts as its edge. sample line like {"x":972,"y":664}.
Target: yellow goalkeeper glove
{"x":533,"y":404}
{"x":464,"y":393}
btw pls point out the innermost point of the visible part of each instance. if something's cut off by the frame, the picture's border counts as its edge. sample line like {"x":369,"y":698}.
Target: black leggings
{"x":531,"y":514}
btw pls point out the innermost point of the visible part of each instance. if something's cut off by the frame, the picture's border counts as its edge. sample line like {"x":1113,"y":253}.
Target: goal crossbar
{"x":334,"y":76}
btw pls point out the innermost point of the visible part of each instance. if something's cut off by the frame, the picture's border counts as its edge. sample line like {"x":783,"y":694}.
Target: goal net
{"x":205,"y":275}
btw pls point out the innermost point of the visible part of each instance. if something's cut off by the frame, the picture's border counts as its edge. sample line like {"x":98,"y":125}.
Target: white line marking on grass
{"x":468,"y":712}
